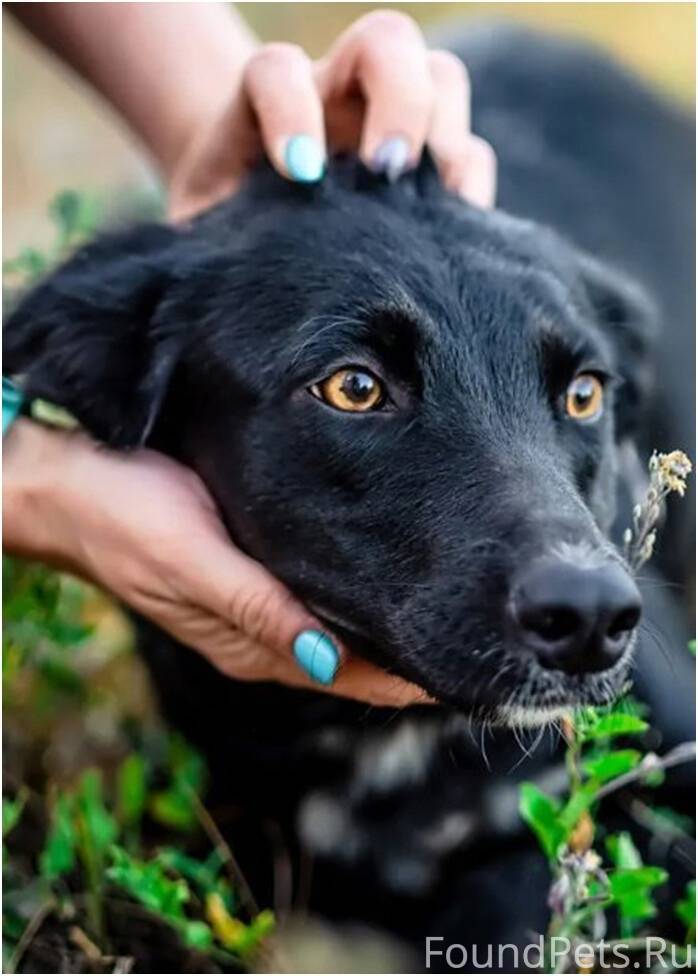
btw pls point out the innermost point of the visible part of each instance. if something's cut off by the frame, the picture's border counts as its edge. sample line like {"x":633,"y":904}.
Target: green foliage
{"x":630,"y":890}
{"x":59,"y":854}
{"x":132,"y":790}
{"x":594,"y":725}
{"x":175,"y":806}
{"x":542,"y":813}
{"x":75,"y":217}
{"x":149,"y":883}
{"x":12,"y":812}
{"x":622,"y":851}
{"x":43,"y":631}
{"x":583,"y":889}
{"x":86,"y":841}
{"x":686,"y":911}
{"x":608,"y":765}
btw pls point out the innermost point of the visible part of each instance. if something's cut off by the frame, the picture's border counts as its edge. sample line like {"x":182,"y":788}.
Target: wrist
{"x":40,"y":507}
{"x":209,"y":90}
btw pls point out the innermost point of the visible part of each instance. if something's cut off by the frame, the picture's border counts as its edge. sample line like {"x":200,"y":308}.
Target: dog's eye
{"x":584,"y":398}
{"x":351,"y":389}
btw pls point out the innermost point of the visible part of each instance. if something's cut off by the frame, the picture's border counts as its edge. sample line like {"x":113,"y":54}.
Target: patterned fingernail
{"x":316,"y":655}
{"x":392,"y":158}
{"x":305,"y":160}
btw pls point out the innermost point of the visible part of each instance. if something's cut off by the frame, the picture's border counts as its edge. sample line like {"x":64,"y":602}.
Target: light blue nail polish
{"x":392,"y":158}
{"x":305,"y":160}
{"x":316,"y":655}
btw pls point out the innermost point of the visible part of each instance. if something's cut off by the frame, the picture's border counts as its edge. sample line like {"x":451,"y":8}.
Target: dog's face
{"x":407,"y":409}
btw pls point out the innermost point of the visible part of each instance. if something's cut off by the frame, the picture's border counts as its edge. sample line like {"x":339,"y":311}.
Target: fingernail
{"x":316,"y":655}
{"x":305,"y":160}
{"x":392,"y":158}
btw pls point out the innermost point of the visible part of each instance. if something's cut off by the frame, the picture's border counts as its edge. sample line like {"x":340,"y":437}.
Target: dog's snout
{"x":575,"y":620}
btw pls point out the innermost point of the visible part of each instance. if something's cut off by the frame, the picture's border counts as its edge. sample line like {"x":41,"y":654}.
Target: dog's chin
{"x":561,"y":695}
{"x":541,"y":698}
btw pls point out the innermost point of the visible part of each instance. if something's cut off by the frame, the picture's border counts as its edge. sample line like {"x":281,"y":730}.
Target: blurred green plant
{"x":75,"y":216}
{"x":87,"y":846}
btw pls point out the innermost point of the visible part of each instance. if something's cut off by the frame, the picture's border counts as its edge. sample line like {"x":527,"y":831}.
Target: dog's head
{"x":408,"y":409}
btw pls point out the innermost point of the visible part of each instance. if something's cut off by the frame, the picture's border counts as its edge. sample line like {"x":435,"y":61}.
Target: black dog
{"x":423,"y":419}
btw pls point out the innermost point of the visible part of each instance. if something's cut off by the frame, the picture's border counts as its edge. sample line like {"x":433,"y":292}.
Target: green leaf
{"x":29,"y":262}
{"x":75,"y":215}
{"x":12,"y":811}
{"x":204,"y":874}
{"x":99,"y":823}
{"x":671,"y":821}
{"x":580,"y":801}
{"x":686,"y":911}
{"x":635,"y":907}
{"x":62,"y":678}
{"x":176,"y":807}
{"x":260,"y":926}
{"x":58,"y":855}
{"x":654,"y":778}
{"x":173,"y":809}
{"x":131,"y":789}
{"x":627,"y":880}
{"x":631,"y":891}
{"x":609,"y":726}
{"x":541,"y":813}
{"x":148,"y":883}
{"x":622,"y":851}
{"x":611,"y":764}
{"x":198,"y":935}
{"x":692,"y":647}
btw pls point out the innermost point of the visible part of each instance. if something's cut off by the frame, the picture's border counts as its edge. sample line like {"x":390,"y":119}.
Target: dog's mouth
{"x":544,"y":698}
{"x":532,"y":697}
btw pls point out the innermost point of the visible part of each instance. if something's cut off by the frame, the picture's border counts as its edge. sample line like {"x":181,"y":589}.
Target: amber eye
{"x":584,"y":399}
{"x":351,"y":389}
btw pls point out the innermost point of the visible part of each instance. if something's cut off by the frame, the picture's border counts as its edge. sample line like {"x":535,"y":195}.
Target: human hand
{"x":378,"y":91}
{"x":146,"y":529}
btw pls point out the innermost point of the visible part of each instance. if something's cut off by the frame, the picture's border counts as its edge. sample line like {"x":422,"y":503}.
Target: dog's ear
{"x":91,"y":338}
{"x":630,"y":319}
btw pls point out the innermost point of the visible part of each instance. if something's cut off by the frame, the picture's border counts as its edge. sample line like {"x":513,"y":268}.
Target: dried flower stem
{"x":668,"y":473}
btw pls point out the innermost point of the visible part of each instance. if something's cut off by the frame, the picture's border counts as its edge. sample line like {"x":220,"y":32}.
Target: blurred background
{"x":58,"y":134}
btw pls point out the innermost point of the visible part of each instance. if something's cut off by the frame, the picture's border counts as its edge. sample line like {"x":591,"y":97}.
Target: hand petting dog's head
{"x":406,"y":408}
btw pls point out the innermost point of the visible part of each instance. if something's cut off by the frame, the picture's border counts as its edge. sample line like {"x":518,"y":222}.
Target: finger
{"x":239,"y":590}
{"x":450,"y":121}
{"x":357,"y":679}
{"x":280,"y":86}
{"x":364,"y":681}
{"x":479,"y":185}
{"x":385,"y":56}
{"x":467,"y":164}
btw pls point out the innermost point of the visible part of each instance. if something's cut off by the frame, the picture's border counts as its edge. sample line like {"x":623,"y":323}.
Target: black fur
{"x":404,"y":528}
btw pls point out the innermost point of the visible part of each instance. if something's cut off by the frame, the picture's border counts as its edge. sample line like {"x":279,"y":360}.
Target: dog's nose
{"x":576,"y":620}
